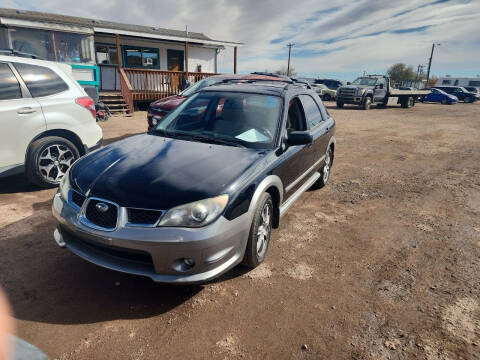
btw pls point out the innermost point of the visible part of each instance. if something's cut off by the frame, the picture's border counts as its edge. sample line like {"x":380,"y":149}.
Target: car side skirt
{"x":294,"y":197}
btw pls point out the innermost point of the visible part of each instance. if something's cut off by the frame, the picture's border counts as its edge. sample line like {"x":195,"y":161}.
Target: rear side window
{"x":40,"y":80}
{"x":9,"y":86}
{"x":312,"y":111}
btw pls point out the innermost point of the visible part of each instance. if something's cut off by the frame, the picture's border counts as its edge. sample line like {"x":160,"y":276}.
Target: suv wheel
{"x":467,"y":99}
{"x":48,"y":160}
{"x":366,"y":103}
{"x":259,"y":237}
{"x":324,"y":171}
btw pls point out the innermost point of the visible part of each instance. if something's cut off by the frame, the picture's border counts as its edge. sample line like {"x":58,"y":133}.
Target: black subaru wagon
{"x":201,"y":192}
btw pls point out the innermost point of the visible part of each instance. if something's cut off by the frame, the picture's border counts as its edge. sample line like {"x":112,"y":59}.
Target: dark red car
{"x":159,"y":108}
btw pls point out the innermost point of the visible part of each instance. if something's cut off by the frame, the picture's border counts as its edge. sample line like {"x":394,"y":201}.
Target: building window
{"x":106,"y":54}
{"x":139,"y":57}
{"x":70,"y":47}
{"x":35,"y":42}
{"x":73,"y":48}
{"x":446,"y":82}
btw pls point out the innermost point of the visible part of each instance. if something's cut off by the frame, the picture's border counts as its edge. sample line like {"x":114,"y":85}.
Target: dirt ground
{"x":383,"y":263}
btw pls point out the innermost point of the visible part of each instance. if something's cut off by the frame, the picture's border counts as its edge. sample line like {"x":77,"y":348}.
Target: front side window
{"x":9,"y":86}
{"x":238,"y":119}
{"x":296,"y":116}
{"x":312,"y":112}
{"x":40,"y":80}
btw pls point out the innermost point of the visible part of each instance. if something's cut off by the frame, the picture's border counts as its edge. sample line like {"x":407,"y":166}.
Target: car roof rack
{"x":287,"y":81}
{"x":12,"y":52}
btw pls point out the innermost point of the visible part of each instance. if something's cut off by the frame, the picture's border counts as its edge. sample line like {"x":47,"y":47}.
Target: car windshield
{"x":440,"y":91}
{"x":365,"y":81}
{"x":229,"y":118}
{"x":200,"y":85}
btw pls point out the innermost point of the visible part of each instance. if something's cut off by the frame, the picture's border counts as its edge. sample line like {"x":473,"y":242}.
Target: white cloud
{"x":315,"y":26}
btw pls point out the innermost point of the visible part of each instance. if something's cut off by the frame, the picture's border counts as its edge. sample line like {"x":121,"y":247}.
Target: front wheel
{"x":260,"y":231}
{"x":366,"y":103}
{"x":48,"y":160}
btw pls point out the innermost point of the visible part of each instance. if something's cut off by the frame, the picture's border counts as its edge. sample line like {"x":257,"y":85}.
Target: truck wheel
{"x":410,"y":102}
{"x":327,"y":97}
{"x":48,"y":159}
{"x":259,"y":237}
{"x":339,"y":104}
{"x":366,"y":103}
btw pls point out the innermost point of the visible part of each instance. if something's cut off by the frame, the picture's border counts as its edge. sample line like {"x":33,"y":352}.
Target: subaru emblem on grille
{"x":101,"y":207}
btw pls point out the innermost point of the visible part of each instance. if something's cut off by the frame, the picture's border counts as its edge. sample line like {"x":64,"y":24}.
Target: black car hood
{"x":153,"y":172}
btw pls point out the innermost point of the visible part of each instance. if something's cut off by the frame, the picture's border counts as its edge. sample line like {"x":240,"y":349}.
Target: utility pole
{"x":430,"y":61}
{"x":290,"y":45}
{"x":419,"y":71}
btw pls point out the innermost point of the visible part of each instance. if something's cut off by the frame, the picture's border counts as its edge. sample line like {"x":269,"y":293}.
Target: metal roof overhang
{"x":46,"y":25}
{"x":213,"y":43}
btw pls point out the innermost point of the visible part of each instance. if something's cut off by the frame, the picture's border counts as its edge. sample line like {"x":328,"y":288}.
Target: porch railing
{"x":126,"y":90}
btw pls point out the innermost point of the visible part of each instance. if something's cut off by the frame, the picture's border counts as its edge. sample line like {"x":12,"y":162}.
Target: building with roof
{"x":142,"y":63}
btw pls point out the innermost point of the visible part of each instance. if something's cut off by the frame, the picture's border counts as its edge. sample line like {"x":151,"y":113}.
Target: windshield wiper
{"x":215,"y":140}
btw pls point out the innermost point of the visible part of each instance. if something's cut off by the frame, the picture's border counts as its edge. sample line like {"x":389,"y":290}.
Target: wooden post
{"x":54,"y":46}
{"x":119,"y":54}
{"x":235,"y":60}
{"x":186,"y":59}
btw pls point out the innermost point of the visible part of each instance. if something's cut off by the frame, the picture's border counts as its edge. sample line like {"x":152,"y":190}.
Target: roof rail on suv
{"x":13,"y":52}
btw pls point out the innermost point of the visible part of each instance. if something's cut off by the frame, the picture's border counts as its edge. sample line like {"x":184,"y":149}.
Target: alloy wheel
{"x":54,"y":161}
{"x":264,"y":230}
{"x":326,"y":167}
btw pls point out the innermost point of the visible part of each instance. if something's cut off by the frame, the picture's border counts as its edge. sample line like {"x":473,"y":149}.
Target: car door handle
{"x":26,"y":110}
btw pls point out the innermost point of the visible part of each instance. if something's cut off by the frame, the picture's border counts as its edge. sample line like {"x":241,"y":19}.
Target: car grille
{"x":143,"y":217}
{"x":78,"y":199}
{"x":106,"y":219}
{"x":346,"y":93}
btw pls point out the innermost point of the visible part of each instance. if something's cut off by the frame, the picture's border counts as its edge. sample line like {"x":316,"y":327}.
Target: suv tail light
{"x":88,"y":104}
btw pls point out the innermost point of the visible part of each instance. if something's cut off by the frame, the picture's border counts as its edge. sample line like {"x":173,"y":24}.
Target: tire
{"x":324,"y":171}
{"x":467,"y":99}
{"x":407,"y":102}
{"x":410,"y":102}
{"x":339,"y":104}
{"x":48,"y":159}
{"x":367,"y":103}
{"x":444,"y":101}
{"x":327,"y":97}
{"x":261,"y":226}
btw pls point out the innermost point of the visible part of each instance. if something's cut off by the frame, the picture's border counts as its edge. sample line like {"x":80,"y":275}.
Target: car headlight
{"x":195,"y":214}
{"x":65,"y":185}
{"x":360,"y":91}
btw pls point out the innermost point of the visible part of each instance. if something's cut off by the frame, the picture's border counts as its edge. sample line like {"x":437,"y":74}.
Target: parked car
{"x":460,"y":92}
{"x":440,"y":96}
{"x":325,"y":93}
{"x":473,"y":89}
{"x":47,"y":121}
{"x":331,"y":83}
{"x":160,"y":108}
{"x":200,"y":193}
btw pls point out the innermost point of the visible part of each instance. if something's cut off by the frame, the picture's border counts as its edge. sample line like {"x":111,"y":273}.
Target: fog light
{"x":184,"y":264}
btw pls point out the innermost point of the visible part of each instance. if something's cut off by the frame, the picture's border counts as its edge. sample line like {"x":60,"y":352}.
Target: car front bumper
{"x":155,"y":252}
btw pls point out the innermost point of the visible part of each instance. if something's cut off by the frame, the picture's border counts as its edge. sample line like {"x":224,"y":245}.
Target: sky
{"x":341,"y":38}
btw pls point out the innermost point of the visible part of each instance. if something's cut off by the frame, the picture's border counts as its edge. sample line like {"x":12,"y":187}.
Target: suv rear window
{"x":40,"y":80}
{"x":9,"y":86}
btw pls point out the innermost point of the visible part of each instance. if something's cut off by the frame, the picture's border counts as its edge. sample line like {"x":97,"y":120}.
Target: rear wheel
{"x":324,"y":171}
{"x":48,"y":160}
{"x":260,"y":231}
{"x":339,"y":104}
{"x":467,"y":99}
{"x":444,"y":101}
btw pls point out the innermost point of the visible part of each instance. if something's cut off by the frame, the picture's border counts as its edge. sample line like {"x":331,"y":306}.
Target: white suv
{"x":47,"y":121}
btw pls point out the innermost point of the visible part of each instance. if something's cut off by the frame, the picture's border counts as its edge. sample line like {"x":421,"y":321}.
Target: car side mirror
{"x":299,"y":138}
